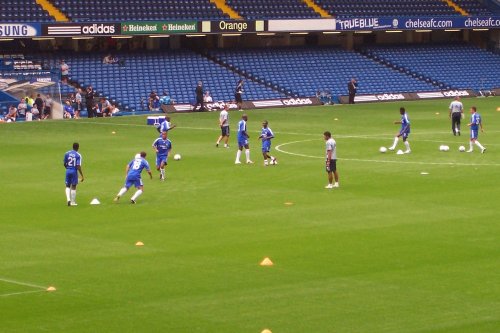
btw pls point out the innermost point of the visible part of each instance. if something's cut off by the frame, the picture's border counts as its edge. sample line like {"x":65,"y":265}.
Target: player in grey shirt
{"x":331,"y":160}
{"x":456,"y":113}
{"x":224,"y":126}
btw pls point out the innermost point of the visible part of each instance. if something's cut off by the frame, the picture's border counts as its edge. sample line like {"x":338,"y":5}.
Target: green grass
{"x":390,"y":251}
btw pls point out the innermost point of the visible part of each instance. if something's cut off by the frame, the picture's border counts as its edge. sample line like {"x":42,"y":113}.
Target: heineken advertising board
{"x":159,"y":27}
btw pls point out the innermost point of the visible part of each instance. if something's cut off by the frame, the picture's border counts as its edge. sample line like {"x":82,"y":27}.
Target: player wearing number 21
{"x":133,"y":170}
{"x":72,"y":163}
{"x":331,"y":160}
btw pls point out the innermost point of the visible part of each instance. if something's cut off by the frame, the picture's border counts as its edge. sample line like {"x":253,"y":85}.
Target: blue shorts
{"x":71,"y":177}
{"x":404,"y":134}
{"x":242,"y":142}
{"x":474,"y":133}
{"x":161,"y":158}
{"x":133,"y":181}
{"x":266,"y":147}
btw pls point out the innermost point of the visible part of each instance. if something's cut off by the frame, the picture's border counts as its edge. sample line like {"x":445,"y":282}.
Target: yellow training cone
{"x":266,"y":262}
{"x":139,"y":244}
{"x":51,"y":288}
{"x":266,"y":331}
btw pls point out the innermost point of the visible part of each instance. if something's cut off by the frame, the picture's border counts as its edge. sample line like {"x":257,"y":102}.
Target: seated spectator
{"x":110,"y":60}
{"x":153,"y":101}
{"x":207,"y":98}
{"x":165,"y":100}
{"x":64,"y":71}
{"x":105,"y":107}
{"x":21,"y":108}
{"x":39,"y":103}
{"x":114,"y":109}
{"x":12,"y":115}
{"x":48,"y":107}
{"x":35,"y":112}
{"x":69,"y":111}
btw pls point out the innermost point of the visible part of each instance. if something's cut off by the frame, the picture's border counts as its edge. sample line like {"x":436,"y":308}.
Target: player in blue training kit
{"x":243,"y":140}
{"x":475,"y":124}
{"x":404,"y":132}
{"x":72,"y":163}
{"x":133,"y":170}
{"x":162,"y":147}
{"x":266,"y":135}
{"x":165,"y":126}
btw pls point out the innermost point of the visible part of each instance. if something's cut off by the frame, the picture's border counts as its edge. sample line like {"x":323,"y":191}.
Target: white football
{"x":444,"y":148}
{"x":461,"y":148}
{"x":382,"y":150}
{"x":177,"y":157}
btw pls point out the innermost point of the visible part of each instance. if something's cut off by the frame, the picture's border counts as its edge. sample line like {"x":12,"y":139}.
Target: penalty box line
{"x":278,"y":148}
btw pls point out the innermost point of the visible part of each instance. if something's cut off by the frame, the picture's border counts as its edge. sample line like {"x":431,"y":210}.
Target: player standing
{"x":266,"y":135}
{"x":475,"y":124}
{"x":237,"y":94}
{"x":456,"y":113}
{"x":243,"y":140}
{"x":133,"y":171}
{"x":404,"y":132}
{"x":224,"y":126}
{"x":331,"y":160}
{"x":162,"y":147}
{"x":72,"y":163}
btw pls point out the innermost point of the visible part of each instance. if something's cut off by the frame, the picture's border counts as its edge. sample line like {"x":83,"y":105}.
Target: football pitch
{"x":408,"y":243}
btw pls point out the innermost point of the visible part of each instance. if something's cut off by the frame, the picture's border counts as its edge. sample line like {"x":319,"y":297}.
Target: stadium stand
{"x":473,"y":7}
{"x":303,"y":71}
{"x":174,"y":71}
{"x":117,"y":10}
{"x":264,"y":9}
{"x":23,"y":11}
{"x":459,"y":66}
{"x":374,"y":8}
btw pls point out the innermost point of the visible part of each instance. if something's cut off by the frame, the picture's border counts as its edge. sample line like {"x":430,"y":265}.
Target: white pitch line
{"x":278,"y":148}
{"x":23,"y":283}
{"x":22,"y":292}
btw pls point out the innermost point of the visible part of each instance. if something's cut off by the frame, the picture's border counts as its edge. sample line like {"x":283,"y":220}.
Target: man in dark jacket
{"x":89,"y":102}
{"x":352,"y":86}
{"x":199,"y":97}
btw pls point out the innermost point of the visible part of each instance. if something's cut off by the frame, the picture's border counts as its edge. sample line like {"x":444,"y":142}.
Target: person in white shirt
{"x":456,"y":114}
{"x":224,"y":126}
{"x":331,"y":160}
{"x":207,"y":98}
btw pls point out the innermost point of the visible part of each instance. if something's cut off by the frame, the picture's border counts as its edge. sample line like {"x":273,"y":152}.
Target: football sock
{"x":247,"y":154}
{"x":479,"y":145}
{"x":162,"y":173}
{"x":470,"y":145}
{"x":407,"y":145}
{"x":68,"y":194}
{"x":73,"y":195}
{"x":136,"y":195}
{"x":122,"y":192}
{"x":238,"y":155}
{"x":395,"y":142}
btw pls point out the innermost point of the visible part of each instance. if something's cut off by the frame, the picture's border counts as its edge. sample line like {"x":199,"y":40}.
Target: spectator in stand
{"x":12,"y":115}
{"x":69,"y":112}
{"x":21,"y":108}
{"x":114,"y":109}
{"x":64,"y":71}
{"x":199,"y":97}
{"x":207,"y":98}
{"x":105,"y":107}
{"x":153,"y":101}
{"x":40,"y":104}
{"x":78,"y":103}
{"x":237,"y":94}
{"x":110,"y":60}
{"x":89,"y":102}
{"x":48,"y":107}
{"x":352,"y":87}
{"x":35,"y":112}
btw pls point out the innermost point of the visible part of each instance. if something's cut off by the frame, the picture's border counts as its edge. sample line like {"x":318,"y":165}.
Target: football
{"x":382,"y":150}
{"x":461,"y":148}
{"x":177,"y":157}
{"x":444,"y":148}
{"x":273,"y":162}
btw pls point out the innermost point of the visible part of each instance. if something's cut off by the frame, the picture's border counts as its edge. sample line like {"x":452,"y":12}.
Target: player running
{"x":266,"y":135}
{"x":133,"y":170}
{"x":243,"y":140}
{"x":165,"y":126}
{"x":224,"y":126}
{"x":404,"y":132}
{"x":475,"y":124}
{"x":72,"y":162}
{"x":162,"y":147}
